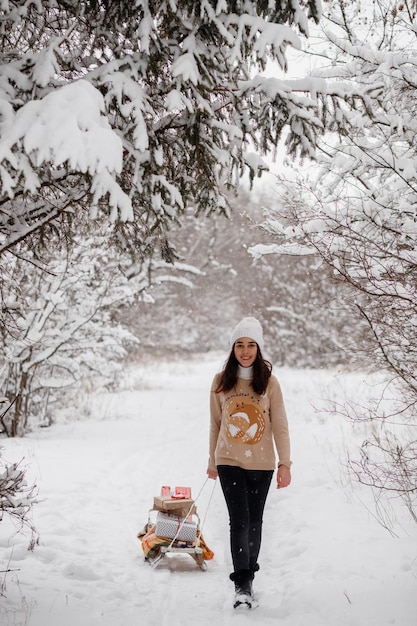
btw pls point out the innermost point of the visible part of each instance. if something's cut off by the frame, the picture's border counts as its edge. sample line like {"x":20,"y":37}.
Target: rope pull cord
{"x":191,"y":508}
{"x":209,"y":502}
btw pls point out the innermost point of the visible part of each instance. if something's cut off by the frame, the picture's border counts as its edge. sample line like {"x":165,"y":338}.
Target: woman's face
{"x":245,"y":351}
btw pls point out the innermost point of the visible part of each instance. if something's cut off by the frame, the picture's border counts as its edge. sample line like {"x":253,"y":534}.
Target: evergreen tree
{"x":132,"y":110}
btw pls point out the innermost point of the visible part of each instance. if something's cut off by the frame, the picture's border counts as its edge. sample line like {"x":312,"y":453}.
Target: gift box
{"x":182,"y":493}
{"x":179,"y":493}
{"x":169,"y":525}
{"x":181,"y":508}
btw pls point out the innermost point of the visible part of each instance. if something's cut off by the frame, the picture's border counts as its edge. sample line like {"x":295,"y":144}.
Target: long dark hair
{"x":261,"y":373}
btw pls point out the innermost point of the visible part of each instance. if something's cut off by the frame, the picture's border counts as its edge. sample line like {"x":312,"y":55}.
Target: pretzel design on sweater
{"x":245,"y":421}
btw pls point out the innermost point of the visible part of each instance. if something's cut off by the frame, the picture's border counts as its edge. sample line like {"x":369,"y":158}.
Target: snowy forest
{"x":138,"y":219}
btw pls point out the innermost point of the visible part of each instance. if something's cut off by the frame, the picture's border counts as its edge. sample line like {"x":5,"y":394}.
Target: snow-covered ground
{"x":325,"y":560}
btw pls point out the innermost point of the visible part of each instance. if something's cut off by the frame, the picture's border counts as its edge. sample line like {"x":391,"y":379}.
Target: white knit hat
{"x":248,"y":327}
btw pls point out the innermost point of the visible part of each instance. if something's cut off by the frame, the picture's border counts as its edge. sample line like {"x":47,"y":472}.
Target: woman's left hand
{"x":283,"y":477}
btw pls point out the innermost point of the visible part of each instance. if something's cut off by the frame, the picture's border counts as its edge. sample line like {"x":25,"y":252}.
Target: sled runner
{"x":174,"y":527}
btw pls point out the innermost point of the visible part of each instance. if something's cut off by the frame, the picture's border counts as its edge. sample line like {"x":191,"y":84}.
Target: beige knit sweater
{"x":245,"y":426}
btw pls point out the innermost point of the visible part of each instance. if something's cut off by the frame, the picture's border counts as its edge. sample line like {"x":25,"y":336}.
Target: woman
{"x":247,"y":417}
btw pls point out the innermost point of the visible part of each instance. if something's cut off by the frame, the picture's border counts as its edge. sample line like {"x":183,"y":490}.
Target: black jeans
{"x":245,"y":492}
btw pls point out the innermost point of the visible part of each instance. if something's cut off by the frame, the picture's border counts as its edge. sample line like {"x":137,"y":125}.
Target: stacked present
{"x":175,"y":509}
{"x":175,"y":529}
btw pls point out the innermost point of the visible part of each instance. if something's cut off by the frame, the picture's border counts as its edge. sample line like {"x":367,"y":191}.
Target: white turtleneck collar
{"x":245,"y":372}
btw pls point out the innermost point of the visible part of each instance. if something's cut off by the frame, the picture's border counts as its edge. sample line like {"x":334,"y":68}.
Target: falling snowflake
{"x":248,"y":453}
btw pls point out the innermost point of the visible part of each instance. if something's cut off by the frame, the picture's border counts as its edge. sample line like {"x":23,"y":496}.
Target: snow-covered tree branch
{"x":17,"y":497}
{"x":357,"y":208}
{"x":58,"y":325}
{"x":132,"y":110}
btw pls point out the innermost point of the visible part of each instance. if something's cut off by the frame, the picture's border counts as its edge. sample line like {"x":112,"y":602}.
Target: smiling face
{"x":245,"y":350}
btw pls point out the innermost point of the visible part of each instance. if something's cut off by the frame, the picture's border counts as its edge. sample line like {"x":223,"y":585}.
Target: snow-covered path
{"x":325,"y":561}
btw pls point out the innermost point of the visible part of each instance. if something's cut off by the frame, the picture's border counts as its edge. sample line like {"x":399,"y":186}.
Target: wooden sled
{"x":195,"y":552}
{"x":157,"y":547}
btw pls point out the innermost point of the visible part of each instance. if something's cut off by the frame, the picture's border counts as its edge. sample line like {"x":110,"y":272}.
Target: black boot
{"x":243,"y":587}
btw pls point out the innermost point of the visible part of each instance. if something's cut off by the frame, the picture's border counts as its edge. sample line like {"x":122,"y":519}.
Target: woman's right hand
{"x":212,"y":474}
